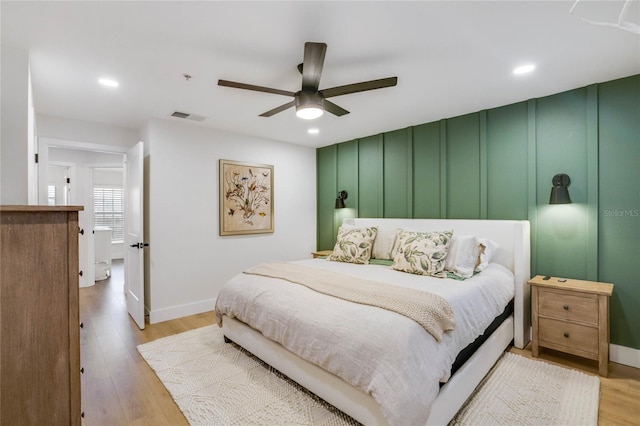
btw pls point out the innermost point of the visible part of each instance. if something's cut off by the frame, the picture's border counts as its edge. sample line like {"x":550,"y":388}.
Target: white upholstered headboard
{"x":514,"y":253}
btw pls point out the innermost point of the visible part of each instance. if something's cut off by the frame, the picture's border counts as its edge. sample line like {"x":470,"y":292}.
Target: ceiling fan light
{"x":309,"y":105}
{"x":309,"y":112}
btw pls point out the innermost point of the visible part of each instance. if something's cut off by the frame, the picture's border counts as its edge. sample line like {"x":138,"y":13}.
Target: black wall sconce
{"x":560,"y":190}
{"x":342,"y":195}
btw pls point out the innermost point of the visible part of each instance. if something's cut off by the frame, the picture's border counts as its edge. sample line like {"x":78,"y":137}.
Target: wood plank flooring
{"x":119,"y":388}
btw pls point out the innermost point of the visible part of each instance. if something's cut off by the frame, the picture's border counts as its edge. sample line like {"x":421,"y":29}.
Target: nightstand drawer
{"x":568,"y":306}
{"x":574,"y":336}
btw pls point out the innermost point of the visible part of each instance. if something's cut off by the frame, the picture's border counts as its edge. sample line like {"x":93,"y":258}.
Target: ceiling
{"x":450,"y":57}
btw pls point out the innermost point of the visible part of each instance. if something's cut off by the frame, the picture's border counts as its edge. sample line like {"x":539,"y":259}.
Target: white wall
{"x":84,"y":131}
{"x":14,"y":135}
{"x":188,"y":261}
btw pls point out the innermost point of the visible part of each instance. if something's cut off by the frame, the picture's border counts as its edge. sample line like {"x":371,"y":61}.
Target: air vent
{"x":184,"y":115}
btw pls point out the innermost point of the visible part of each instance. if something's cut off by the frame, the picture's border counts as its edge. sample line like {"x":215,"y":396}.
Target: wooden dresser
{"x":571,"y":316}
{"x":39,"y":316}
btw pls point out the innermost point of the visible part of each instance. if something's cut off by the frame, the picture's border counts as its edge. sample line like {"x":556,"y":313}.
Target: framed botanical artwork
{"x":246,"y":198}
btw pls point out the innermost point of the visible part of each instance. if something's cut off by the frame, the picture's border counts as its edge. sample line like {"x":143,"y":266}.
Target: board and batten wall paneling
{"x":463,"y":167}
{"x":347,"y":163}
{"x":398,"y":181}
{"x":561,"y":143}
{"x":327,"y":180}
{"x":426,"y":171}
{"x":371,"y":176}
{"x":507,"y":172}
{"x":619,"y":210}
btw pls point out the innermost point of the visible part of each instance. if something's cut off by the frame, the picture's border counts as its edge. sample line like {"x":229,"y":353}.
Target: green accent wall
{"x":618,"y":242}
{"x":498,"y":164}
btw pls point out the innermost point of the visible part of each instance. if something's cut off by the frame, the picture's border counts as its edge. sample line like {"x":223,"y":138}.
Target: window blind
{"x":108,"y":209}
{"x":51,"y":195}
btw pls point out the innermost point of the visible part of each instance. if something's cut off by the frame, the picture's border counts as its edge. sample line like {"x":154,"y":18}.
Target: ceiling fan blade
{"x":277,"y":110}
{"x":359,"y":87}
{"x":312,"y":65}
{"x":334,"y":109}
{"x":228,"y":83}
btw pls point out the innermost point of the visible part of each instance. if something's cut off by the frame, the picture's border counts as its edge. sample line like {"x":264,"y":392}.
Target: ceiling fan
{"x":310,"y":102}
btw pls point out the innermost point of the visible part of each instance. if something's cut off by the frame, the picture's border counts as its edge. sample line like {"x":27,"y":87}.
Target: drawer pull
{"x":566,"y":334}
{"x":565,"y":307}
{"x":82,"y":370}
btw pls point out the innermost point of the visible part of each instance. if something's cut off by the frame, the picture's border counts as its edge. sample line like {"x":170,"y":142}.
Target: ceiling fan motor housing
{"x":307,"y":99}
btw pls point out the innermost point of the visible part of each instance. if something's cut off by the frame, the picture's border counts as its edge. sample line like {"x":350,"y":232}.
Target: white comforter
{"x":382,"y":353}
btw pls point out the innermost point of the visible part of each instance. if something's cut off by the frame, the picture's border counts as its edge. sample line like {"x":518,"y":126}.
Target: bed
{"x":310,"y":344}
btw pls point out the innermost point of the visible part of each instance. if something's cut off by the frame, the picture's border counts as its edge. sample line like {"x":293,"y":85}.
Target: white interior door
{"x":133,"y":235}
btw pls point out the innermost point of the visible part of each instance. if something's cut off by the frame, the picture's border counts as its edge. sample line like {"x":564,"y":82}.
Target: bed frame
{"x":514,"y":253}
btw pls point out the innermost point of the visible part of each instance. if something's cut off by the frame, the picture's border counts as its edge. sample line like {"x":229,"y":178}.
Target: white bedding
{"x":384,"y":354}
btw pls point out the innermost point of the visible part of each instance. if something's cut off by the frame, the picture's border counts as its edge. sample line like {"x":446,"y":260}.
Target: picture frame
{"x":246,"y":198}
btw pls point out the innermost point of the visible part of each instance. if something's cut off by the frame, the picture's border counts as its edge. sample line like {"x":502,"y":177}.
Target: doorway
{"x":131,"y":161}
{"x":67,"y":169}
{"x":59,"y":177}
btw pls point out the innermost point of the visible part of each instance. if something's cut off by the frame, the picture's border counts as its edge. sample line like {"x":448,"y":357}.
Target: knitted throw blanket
{"x":429,"y":310}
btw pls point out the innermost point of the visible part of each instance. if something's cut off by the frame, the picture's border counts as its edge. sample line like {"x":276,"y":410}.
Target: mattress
{"x":384,"y":354}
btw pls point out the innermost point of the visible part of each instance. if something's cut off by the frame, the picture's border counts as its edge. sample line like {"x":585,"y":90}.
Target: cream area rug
{"x":215,"y":383}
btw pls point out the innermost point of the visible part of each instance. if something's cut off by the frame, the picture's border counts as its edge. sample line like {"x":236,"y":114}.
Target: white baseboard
{"x":173,"y":312}
{"x":624,"y":355}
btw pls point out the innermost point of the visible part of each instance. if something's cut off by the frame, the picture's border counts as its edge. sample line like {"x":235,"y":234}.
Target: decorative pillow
{"x":396,"y":244}
{"x":487,"y":250}
{"x":422,"y":253}
{"x":354,"y":245}
{"x":463,"y":255}
{"x":383,"y":244}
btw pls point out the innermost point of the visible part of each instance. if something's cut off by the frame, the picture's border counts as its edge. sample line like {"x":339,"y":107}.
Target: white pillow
{"x":487,"y":250}
{"x":383,"y":244}
{"x":463,"y":255}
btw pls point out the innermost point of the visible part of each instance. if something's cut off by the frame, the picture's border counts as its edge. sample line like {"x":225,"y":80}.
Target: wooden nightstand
{"x":321,"y":253}
{"x":571,"y":316}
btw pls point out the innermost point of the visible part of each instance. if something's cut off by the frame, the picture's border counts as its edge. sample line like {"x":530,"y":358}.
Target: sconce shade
{"x":560,"y":190}
{"x":342,"y":195}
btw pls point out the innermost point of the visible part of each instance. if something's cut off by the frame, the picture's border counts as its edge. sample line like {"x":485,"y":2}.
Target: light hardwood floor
{"x":119,"y":388}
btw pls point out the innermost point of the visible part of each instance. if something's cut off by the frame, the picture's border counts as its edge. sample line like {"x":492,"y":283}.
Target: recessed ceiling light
{"x":313,"y":131}
{"x":523,"y":69}
{"x":108,"y":82}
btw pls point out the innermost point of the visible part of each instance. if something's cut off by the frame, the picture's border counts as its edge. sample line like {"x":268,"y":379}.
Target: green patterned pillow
{"x":422,"y":253}
{"x":354,"y":245}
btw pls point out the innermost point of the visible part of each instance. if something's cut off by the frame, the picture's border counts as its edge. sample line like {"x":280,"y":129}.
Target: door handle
{"x":140,"y":245}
